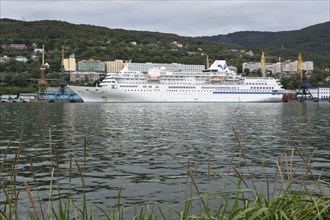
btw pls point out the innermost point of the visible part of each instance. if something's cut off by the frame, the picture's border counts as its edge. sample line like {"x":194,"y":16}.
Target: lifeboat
{"x":215,"y":79}
{"x":153,"y":74}
{"x":151,"y":77}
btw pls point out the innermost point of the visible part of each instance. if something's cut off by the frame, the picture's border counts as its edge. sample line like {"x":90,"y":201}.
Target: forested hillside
{"x":91,"y":42}
{"x":313,"y":42}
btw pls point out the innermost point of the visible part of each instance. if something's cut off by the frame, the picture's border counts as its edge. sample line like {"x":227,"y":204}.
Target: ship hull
{"x":111,"y":95}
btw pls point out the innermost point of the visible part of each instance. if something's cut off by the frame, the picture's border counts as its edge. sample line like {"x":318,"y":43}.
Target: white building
{"x":5,"y":58}
{"x":285,"y":68}
{"x":21,"y":59}
{"x":321,"y":93}
{"x":251,"y":66}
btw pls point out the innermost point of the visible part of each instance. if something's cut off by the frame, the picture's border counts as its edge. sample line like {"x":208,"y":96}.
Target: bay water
{"x":143,"y":150}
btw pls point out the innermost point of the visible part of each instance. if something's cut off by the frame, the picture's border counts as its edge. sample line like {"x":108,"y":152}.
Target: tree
{"x":246,"y":72}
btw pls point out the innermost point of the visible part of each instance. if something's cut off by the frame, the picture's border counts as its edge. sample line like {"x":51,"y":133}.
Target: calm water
{"x":145,"y":148}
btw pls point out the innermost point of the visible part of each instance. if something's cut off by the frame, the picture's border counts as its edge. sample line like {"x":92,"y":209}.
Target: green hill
{"x":313,"y":42}
{"x":93,"y":42}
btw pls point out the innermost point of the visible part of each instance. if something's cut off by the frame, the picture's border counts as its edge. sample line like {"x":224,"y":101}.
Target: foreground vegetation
{"x":293,"y":192}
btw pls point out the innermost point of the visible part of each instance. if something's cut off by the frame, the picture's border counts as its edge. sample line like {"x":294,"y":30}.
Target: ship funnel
{"x":219,"y":65}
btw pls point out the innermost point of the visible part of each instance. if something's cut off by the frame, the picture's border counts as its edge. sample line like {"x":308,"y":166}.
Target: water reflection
{"x":145,"y":148}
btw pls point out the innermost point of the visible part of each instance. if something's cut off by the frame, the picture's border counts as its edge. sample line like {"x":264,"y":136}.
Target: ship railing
{"x":265,"y":78}
{"x":186,"y":74}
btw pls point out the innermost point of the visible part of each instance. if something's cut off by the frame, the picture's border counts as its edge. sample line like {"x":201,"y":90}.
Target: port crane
{"x":42,"y":82}
{"x":303,"y":93}
{"x":62,"y":88}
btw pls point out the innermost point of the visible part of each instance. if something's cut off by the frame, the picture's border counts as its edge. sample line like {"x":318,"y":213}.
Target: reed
{"x":289,"y":196}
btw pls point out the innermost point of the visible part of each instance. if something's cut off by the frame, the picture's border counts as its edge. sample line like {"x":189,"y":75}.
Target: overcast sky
{"x":185,"y":17}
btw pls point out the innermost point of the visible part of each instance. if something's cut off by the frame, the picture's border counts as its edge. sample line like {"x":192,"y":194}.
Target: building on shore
{"x":320,"y":93}
{"x":91,"y":66}
{"x":88,"y":77}
{"x":70,"y":64}
{"x":284,"y":68}
{"x":114,"y":66}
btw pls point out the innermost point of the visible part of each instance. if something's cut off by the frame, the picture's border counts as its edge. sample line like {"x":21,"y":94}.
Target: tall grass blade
{"x":36,"y":185}
{"x":28,"y":191}
{"x":85,"y":149}
{"x":50,"y":144}
{"x":202,"y":200}
{"x":50,"y":200}
{"x":258,"y":214}
{"x":160,"y":211}
{"x":240,"y":177}
{"x":5,"y":157}
{"x":239,"y":142}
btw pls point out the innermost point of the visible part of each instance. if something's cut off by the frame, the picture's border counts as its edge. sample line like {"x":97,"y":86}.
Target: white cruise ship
{"x":216,"y":84}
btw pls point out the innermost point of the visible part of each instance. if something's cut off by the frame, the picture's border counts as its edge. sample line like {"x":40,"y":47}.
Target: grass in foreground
{"x":293,"y":192}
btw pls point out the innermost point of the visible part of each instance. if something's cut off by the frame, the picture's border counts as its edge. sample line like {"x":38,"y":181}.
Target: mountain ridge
{"x":259,"y":39}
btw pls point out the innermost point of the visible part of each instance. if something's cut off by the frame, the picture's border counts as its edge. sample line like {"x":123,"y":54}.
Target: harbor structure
{"x":303,"y":93}
{"x":42,"y":82}
{"x":62,"y":91}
